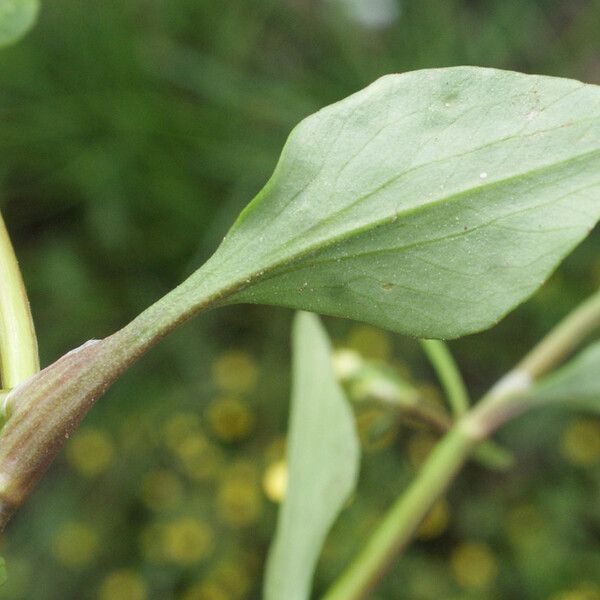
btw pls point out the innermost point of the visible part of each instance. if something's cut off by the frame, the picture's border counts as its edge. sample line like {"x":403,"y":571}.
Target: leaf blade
{"x":576,"y":385}
{"x":323,"y":458}
{"x":430,"y":203}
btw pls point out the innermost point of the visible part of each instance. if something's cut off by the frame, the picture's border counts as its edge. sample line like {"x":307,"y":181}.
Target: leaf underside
{"x":322,"y":460}
{"x":430,"y":203}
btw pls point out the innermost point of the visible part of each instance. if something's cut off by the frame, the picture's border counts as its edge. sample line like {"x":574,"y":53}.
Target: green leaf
{"x":18,"y":343}
{"x":17,"y":17}
{"x":430,"y":203}
{"x":322,"y":459}
{"x":576,"y":385}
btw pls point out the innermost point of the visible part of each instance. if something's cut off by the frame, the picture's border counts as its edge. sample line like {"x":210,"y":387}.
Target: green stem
{"x":18,"y":344}
{"x":488,"y":452}
{"x":563,"y":339}
{"x":493,"y":456}
{"x":449,"y":375}
{"x":46,"y":408}
{"x":373,"y":383}
{"x":507,"y":399}
{"x":405,"y":516}
{"x":377,"y":384}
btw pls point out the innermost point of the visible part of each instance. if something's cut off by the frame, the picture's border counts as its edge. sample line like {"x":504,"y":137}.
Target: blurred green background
{"x":132,"y":134}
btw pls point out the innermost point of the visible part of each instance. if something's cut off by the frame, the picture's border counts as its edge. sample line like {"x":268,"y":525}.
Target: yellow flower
{"x":90,"y":451}
{"x":370,"y":343}
{"x":275,"y":480}
{"x":161,"y":490}
{"x":188,"y":540}
{"x":124,"y":584}
{"x":238,"y":498}
{"x":230,"y":419}
{"x":76,"y":544}
{"x":233,"y":578}
{"x":474,"y":565}
{"x":181,"y":425}
{"x":236,"y":372}
{"x":436,"y":521}
{"x":206,"y":591}
{"x":580,"y":442}
{"x":525,"y":526}
{"x":199,"y":459}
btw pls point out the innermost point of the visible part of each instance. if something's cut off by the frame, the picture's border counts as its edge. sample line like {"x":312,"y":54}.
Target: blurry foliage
{"x":132,"y":134}
{"x":16,"y":18}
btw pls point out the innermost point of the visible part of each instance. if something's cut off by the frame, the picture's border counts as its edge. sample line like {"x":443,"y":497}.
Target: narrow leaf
{"x":322,"y":459}
{"x":17,"y":17}
{"x":18,"y":343}
{"x":576,"y":385}
{"x":430,"y":203}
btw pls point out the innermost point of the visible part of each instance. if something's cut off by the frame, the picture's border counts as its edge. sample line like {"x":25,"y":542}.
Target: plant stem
{"x":507,"y":399}
{"x":18,"y":344}
{"x":374,"y":383}
{"x":47,"y":407}
{"x":503,"y":402}
{"x":563,"y":339}
{"x":449,"y":375}
{"x":488,"y":452}
{"x":405,"y":516}
{"x":492,"y":455}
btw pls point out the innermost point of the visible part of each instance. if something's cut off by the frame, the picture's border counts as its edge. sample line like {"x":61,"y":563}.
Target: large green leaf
{"x":429,"y":203}
{"x":322,"y":458}
{"x":576,"y":385}
{"x":16,"y":18}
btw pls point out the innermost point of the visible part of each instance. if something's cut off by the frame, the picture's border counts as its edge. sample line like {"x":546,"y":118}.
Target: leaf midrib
{"x":276,"y":269}
{"x":415,"y":168}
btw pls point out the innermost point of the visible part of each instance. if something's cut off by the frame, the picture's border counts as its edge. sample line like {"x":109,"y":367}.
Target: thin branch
{"x":563,"y":339}
{"x":370,"y":381}
{"x":508,"y":399}
{"x":449,"y":375}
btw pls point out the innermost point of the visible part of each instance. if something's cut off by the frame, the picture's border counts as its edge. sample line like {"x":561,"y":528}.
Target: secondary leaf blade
{"x":576,"y":385}
{"x":322,"y":457}
{"x":430,"y":203}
